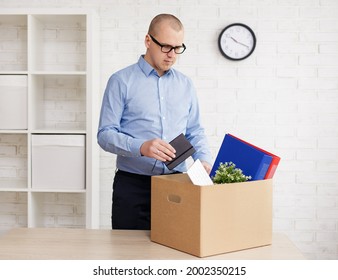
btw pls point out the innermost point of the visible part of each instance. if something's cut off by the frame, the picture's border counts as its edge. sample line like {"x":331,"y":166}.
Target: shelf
{"x":49,"y":84}
{"x":13,"y":131}
{"x":16,"y":190}
{"x":58,"y":131}
{"x":35,"y":190}
{"x":13,"y":72}
{"x":65,"y":73}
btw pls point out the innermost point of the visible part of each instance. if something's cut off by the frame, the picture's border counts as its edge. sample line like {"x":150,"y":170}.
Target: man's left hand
{"x":206,"y":166}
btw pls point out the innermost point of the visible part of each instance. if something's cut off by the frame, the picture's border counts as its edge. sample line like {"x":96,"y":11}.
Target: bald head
{"x":168,"y":19}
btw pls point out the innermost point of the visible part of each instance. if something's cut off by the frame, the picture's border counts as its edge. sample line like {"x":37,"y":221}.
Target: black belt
{"x":139,"y":176}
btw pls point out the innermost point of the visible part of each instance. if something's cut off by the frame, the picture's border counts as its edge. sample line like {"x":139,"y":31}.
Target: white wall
{"x":283,"y":98}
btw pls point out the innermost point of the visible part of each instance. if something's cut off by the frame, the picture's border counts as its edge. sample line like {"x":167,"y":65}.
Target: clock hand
{"x":239,"y":42}
{"x":233,"y":39}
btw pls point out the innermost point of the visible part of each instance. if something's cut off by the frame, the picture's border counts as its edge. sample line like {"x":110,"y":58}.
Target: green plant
{"x":228,"y":173}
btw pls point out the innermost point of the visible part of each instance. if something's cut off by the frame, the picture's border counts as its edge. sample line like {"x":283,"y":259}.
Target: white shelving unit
{"x":56,"y":52}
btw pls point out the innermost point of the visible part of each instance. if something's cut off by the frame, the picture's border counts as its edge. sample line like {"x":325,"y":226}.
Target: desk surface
{"x":91,"y":244}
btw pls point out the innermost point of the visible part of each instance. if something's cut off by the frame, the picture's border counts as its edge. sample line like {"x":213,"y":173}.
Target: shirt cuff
{"x":135,"y":146}
{"x":206,"y":158}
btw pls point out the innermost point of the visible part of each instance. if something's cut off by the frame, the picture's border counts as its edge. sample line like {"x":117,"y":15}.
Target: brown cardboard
{"x":210,"y":220}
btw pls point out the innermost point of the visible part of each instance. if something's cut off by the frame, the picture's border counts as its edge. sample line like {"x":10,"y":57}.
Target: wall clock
{"x":237,"y":41}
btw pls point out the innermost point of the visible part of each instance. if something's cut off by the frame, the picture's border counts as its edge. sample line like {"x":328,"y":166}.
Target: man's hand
{"x":158,"y":149}
{"x":206,"y":166}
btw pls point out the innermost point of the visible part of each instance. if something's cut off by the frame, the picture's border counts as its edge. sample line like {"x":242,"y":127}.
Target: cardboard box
{"x":58,"y":161}
{"x":210,"y":220}
{"x":13,"y":102}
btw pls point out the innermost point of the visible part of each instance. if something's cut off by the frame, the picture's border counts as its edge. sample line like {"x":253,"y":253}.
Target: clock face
{"x":237,"y":41}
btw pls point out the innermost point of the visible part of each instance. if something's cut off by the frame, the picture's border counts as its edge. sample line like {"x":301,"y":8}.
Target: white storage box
{"x":58,"y":161}
{"x":13,"y":102}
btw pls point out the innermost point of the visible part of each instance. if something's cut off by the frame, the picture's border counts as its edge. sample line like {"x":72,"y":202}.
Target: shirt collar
{"x":147,"y":69}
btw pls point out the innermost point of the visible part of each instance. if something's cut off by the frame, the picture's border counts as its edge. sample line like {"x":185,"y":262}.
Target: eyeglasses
{"x":168,"y":48}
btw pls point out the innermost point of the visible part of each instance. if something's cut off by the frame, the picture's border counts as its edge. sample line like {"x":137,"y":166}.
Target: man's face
{"x":154,"y":56}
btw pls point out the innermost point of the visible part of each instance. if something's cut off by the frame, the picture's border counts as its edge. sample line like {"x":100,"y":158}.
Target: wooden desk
{"x":89,"y":244}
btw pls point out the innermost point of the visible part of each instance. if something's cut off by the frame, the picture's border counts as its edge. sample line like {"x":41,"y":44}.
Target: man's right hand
{"x":158,"y":149}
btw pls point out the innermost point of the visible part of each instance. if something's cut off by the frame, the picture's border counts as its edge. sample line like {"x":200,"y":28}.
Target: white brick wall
{"x":13,"y":55}
{"x":13,"y":160}
{"x":61,"y":209}
{"x":64,"y":102}
{"x":283,"y":98}
{"x":13,"y":210}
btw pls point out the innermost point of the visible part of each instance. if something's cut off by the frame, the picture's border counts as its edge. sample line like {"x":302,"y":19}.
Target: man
{"x":144,"y":107}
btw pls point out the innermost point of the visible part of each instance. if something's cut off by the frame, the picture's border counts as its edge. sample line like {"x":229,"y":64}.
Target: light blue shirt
{"x":139,"y":105}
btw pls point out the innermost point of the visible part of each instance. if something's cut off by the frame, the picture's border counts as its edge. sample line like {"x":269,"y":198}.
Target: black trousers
{"x":131,"y":201}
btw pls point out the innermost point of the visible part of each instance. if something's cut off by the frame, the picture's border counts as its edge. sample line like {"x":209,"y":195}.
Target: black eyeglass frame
{"x":171,"y":47}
